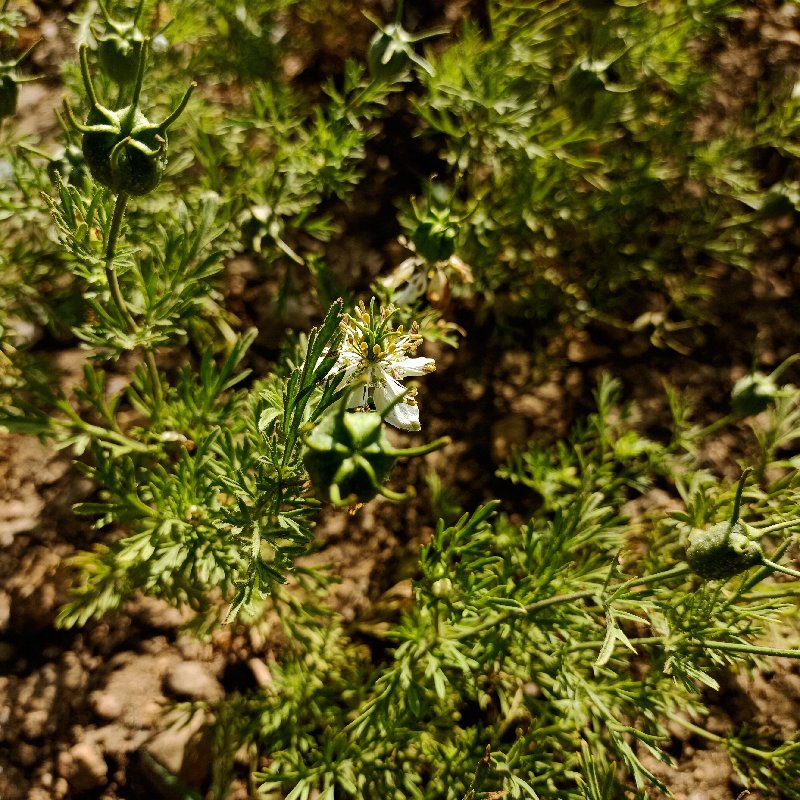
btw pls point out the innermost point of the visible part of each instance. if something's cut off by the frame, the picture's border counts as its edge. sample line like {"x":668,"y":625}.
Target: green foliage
{"x":544,"y":653}
{"x":573,"y":137}
{"x":524,"y":648}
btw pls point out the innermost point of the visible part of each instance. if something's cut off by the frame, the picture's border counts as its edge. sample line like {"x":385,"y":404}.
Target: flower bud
{"x":119,"y":47}
{"x":753,"y":394}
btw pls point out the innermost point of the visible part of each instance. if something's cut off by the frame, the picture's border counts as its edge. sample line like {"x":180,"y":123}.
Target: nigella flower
{"x":374,"y":358}
{"x":417,"y":277}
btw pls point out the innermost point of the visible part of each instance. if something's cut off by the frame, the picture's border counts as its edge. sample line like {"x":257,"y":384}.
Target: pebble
{"x":88,"y":769}
{"x":194,"y":680}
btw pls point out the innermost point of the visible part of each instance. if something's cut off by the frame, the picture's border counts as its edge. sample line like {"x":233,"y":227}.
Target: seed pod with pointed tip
{"x":348,"y":456}
{"x":124,"y":150}
{"x":726,"y":549}
{"x":119,"y":46}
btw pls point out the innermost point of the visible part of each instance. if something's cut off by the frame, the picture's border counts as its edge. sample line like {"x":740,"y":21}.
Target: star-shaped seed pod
{"x":124,"y":150}
{"x":391,"y":51}
{"x":119,"y":45}
{"x":348,"y":456}
{"x":9,"y":85}
{"x":729,"y":548}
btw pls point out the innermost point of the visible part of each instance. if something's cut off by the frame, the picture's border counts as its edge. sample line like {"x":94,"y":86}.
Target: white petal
{"x":402,"y":415}
{"x":358,"y":397}
{"x":413,"y":366}
{"x":400,"y":274}
{"x":414,"y":289}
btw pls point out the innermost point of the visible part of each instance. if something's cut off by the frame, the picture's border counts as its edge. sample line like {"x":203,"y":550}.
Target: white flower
{"x":415,"y":277}
{"x":374,"y":358}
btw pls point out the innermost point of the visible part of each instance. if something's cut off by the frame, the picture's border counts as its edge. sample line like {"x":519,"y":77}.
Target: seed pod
{"x":71,"y":165}
{"x":725,"y":549}
{"x":434,"y":238}
{"x":9,"y":85}
{"x":722,"y":551}
{"x":391,"y":52}
{"x":753,"y":394}
{"x":124,"y":150}
{"x":119,"y":46}
{"x":348,"y":456}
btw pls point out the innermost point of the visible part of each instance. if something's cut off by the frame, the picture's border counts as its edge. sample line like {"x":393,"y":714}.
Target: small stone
{"x":194,"y":680}
{"x":260,"y":672}
{"x":88,"y":769}
{"x":106,"y":705}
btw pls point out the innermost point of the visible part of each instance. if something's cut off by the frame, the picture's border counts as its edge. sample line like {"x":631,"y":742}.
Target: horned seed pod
{"x":125,"y":152}
{"x":119,"y":46}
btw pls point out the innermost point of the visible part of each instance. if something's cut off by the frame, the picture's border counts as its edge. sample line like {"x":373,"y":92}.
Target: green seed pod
{"x":387,"y":56}
{"x":391,"y":52}
{"x":71,"y":165}
{"x":348,"y":456}
{"x":725,"y":549}
{"x":722,"y":551}
{"x":9,"y":93}
{"x":124,"y":150}
{"x":434,"y":238}
{"x":753,"y":394}
{"x":119,"y":46}
{"x":9,"y":85}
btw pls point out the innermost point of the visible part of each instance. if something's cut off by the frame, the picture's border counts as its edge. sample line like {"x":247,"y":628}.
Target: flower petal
{"x":402,"y":414}
{"x":413,"y":366}
{"x":359,"y":396}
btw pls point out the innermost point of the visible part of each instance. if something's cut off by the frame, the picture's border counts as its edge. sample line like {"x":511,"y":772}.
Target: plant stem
{"x":778,"y":526}
{"x":584,"y":594}
{"x":733,"y":647}
{"x":111,"y":272}
{"x":754,"y":649}
{"x":119,"y":300}
{"x":713,"y":737}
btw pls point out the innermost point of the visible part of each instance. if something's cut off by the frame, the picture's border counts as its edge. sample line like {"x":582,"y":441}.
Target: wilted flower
{"x":416,"y":277}
{"x":374,"y":358}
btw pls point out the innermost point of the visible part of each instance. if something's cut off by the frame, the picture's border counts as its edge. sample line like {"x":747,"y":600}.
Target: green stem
{"x":713,"y":737}
{"x":119,"y":300}
{"x":753,"y":649}
{"x":111,"y":272}
{"x":713,"y":427}
{"x":778,"y":526}
{"x":780,"y":568}
{"x":584,"y":594}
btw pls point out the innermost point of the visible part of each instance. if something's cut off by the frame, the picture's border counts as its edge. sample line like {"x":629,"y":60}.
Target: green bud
{"x":753,"y":394}
{"x":391,"y":52}
{"x":442,"y":588}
